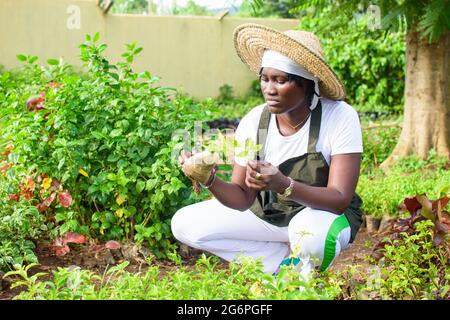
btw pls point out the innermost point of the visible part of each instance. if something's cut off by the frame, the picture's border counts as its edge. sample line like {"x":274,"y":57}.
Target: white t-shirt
{"x":340,"y":132}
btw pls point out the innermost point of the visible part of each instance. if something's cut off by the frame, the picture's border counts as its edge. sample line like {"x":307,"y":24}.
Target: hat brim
{"x":250,"y":41}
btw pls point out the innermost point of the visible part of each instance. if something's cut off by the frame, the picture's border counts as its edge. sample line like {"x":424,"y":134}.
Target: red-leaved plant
{"x":60,"y":245}
{"x":420,"y":208}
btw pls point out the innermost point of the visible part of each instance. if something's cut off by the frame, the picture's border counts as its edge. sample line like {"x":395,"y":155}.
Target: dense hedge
{"x":94,"y":152}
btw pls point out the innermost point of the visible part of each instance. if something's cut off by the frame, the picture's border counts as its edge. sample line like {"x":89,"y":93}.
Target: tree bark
{"x":426,"y":123}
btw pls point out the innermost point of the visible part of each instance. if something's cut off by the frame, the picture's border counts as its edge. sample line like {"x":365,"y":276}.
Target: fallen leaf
{"x":96,"y":248}
{"x":65,"y":199}
{"x":72,"y":237}
{"x":41,"y":207}
{"x":438,"y":239}
{"x":441,"y":228}
{"x":442,"y":201}
{"x":113,"y":245}
{"x":60,"y":250}
{"x":59,"y":247}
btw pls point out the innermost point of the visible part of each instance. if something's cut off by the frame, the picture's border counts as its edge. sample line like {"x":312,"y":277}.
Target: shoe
{"x":287,"y":262}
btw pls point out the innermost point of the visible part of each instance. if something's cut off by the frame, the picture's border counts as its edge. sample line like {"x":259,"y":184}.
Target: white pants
{"x":315,"y":236}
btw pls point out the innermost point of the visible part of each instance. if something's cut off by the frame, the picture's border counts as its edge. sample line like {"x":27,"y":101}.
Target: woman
{"x":295,"y":203}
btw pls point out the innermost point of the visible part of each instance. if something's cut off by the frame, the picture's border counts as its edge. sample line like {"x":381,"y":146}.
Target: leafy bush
{"x":106,"y":138}
{"x":383,"y":192}
{"x":378,"y":143}
{"x":370,"y":63}
{"x":422,"y":240}
{"x":425,"y":276}
{"x":20,"y":224}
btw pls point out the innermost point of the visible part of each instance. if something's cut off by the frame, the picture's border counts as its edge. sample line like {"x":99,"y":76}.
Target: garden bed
{"x":355,"y":254}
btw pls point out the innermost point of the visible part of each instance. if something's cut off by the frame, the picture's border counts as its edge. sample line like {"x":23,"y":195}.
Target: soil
{"x":80,"y":255}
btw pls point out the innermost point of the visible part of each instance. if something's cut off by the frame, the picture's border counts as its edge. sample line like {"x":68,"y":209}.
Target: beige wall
{"x":193,"y":53}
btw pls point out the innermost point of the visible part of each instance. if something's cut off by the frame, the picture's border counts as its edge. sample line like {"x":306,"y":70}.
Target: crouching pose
{"x":295,"y":203}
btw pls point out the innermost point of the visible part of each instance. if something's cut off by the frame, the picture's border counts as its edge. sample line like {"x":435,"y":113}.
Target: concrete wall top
{"x":195,"y":54}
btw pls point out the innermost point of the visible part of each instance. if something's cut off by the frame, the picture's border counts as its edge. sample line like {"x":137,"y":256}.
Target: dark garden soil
{"x":355,"y":254}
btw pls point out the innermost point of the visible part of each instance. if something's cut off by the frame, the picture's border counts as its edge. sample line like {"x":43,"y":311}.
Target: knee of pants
{"x":186,"y":226}
{"x":308,"y":245}
{"x":179,"y":225}
{"x":315,"y":236}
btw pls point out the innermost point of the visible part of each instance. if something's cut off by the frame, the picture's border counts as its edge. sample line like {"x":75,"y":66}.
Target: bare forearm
{"x":324,"y":198}
{"x":230,"y":194}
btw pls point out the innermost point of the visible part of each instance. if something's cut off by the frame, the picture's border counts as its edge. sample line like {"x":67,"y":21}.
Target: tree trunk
{"x":426,"y":123}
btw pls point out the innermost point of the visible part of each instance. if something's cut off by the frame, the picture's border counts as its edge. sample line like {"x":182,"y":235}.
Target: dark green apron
{"x":310,"y":168}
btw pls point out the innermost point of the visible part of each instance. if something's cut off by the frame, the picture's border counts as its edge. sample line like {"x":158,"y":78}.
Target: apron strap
{"x":261,"y":135}
{"x":314,"y":130}
{"x":314,"y":127}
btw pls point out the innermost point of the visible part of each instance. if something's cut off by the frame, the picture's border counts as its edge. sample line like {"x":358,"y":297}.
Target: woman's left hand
{"x":262,"y":175}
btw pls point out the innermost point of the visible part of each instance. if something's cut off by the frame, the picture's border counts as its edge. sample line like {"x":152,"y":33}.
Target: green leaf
{"x":97,"y":135}
{"x":60,"y":217}
{"x":115,"y":133}
{"x":52,"y":62}
{"x":96,"y":36}
{"x":140,"y":185}
{"x":21,"y":57}
{"x":32,"y":59}
{"x":151,"y":183}
{"x":112,"y":157}
{"x":61,"y":163}
{"x":115,"y":76}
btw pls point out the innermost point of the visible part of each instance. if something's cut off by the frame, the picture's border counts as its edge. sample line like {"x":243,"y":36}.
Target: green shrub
{"x":20,"y":224}
{"x":106,"y":137}
{"x":383,"y":192}
{"x":378,"y":143}
{"x":370,"y":63}
{"x":413,"y":268}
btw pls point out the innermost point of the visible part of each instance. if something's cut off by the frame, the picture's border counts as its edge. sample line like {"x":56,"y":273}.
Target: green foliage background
{"x":111,"y":123}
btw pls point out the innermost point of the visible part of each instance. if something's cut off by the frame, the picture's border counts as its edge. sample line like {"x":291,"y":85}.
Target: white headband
{"x":276,"y":60}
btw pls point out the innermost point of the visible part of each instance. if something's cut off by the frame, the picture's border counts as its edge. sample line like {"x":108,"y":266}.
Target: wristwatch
{"x":287,"y":192}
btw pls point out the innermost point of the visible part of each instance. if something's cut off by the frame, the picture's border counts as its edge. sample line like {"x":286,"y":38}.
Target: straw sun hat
{"x":302,"y":47}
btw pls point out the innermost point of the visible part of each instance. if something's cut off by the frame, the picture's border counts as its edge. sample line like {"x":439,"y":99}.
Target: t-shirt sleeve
{"x":246,"y":130}
{"x":346,"y":136}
